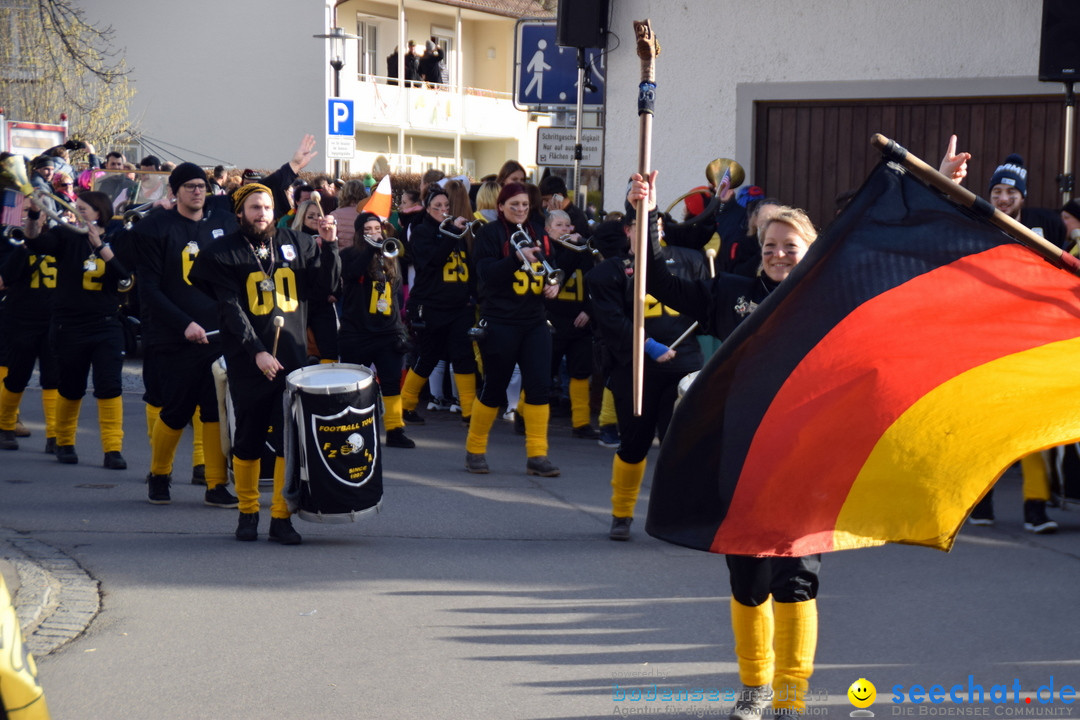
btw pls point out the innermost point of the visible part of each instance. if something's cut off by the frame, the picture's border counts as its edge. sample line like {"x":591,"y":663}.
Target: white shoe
{"x":509,"y":415}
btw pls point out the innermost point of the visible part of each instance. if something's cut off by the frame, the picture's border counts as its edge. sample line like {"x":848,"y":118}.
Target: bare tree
{"x":53,"y":61}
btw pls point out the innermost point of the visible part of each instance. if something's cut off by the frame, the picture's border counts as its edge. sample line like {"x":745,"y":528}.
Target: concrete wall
{"x":719,"y":56}
{"x":228,"y":82}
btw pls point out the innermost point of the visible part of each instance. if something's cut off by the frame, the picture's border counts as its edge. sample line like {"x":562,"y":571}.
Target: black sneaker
{"x":411,"y":417}
{"x":519,"y":424}
{"x":281,"y":531}
{"x":620,"y":528}
{"x":540,"y":465}
{"x":396,"y":438}
{"x":247,"y":529}
{"x":586,"y":432}
{"x":1035,"y":519}
{"x":751,"y":703}
{"x":220,"y":497}
{"x":114,"y":461}
{"x":66,"y":454}
{"x":8,"y":441}
{"x":476,"y":463}
{"x":157,"y":489}
{"x":983,"y":513}
{"x":50,"y":445}
{"x":609,"y":436}
{"x":198,"y":474}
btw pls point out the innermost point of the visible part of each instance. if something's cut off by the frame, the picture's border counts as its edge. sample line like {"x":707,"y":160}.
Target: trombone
{"x":447,"y":227}
{"x":521,"y":240}
{"x":390,"y":247}
{"x":13,"y":174}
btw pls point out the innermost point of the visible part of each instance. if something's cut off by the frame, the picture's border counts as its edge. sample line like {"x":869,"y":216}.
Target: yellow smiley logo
{"x":862,"y":693}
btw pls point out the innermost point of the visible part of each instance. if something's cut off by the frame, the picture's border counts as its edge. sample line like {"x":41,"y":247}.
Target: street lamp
{"x":337,"y":38}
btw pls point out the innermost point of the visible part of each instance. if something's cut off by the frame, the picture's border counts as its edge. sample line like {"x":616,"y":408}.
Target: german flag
{"x":912,"y":357}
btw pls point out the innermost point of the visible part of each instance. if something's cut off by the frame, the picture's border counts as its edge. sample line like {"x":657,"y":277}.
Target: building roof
{"x":508,"y":8}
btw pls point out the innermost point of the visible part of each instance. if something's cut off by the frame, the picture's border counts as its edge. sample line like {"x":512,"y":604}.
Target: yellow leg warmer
{"x":48,"y":407}
{"x":753,"y":630}
{"x":580,"y":413}
{"x":3,"y":373}
{"x":213,"y":456}
{"x":536,"y":427}
{"x":246,"y":477}
{"x":9,"y":407}
{"x":1033,"y":468}
{"x":111,"y":423}
{"x":392,"y":412}
{"x":625,"y":485}
{"x":795,"y":642}
{"x":67,"y":420}
{"x":410,"y":390}
{"x":152,"y":414}
{"x":198,"y":457}
{"x":466,"y":388}
{"x":278,"y":507}
{"x":607,"y":409}
{"x":163,"y":448}
{"x":483,"y":417}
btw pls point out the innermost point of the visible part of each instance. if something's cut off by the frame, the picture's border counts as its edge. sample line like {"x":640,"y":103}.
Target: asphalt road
{"x":495,"y":596}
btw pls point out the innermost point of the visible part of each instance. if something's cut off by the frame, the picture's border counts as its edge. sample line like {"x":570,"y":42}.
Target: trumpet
{"x":390,"y":247}
{"x":566,"y":242}
{"x":13,"y":174}
{"x":14,"y":235}
{"x":447,"y":227}
{"x":131,"y":217}
{"x":521,"y":240}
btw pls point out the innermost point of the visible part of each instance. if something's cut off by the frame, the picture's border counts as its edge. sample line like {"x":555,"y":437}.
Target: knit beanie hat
{"x":1012,"y":173}
{"x":1073,"y":208}
{"x":183,"y":173}
{"x":241,"y":194}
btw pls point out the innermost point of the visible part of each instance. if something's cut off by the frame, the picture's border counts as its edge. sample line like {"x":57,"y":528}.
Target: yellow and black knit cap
{"x":241,"y":194}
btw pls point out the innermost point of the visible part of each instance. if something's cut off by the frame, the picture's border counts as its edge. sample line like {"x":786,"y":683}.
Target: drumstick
{"x":278,"y":323}
{"x":711,"y":254}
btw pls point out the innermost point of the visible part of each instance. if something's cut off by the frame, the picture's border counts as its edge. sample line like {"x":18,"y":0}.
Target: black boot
{"x":281,"y":531}
{"x":248,"y":527}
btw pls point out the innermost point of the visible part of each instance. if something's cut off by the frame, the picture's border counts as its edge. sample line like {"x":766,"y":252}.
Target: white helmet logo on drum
{"x":356,"y":442}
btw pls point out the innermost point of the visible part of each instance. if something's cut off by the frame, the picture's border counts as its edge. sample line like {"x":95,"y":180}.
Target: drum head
{"x":330,"y":379}
{"x":686,"y":382}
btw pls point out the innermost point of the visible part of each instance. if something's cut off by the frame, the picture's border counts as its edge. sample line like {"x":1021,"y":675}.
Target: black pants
{"x":787,"y":579}
{"x":577,"y":345}
{"x":659,"y":392}
{"x":323,"y":322}
{"x":382,"y":351}
{"x":187,"y":380}
{"x":529,"y":347}
{"x":153,"y":394}
{"x":96,"y":346}
{"x":257,"y":403}
{"x":445,"y":340}
{"x":28,"y":342}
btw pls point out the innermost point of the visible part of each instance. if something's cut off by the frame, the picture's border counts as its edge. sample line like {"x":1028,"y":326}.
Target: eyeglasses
{"x":194,"y":187}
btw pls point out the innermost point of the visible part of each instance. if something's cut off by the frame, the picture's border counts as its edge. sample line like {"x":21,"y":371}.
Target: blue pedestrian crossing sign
{"x":339,"y":114}
{"x":545,"y":74}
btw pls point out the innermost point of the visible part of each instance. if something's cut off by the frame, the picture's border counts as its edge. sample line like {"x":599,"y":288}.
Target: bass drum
{"x":333,"y":460}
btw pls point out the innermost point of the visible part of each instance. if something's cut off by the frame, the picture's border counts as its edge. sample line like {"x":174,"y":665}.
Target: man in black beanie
{"x":1008,"y":193}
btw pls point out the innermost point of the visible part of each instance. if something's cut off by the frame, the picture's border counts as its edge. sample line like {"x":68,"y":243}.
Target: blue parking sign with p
{"x":340,"y":115}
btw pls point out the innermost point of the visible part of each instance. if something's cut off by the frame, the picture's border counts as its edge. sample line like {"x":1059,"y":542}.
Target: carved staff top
{"x":648,"y":47}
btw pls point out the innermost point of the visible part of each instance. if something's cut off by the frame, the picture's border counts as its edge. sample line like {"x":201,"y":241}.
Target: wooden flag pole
{"x":962,"y":196}
{"x":647,"y":49}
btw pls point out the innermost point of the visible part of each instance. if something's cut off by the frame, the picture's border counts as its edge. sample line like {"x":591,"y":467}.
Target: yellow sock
{"x":197,"y":455}
{"x":410,"y":390}
{"x":152,"y":414}
{"x":625,"y":484}
{"x":466,"y":389}
{"x":483,"y":417}
{"x":580,"y":413}
{"x":795,"y":641}
{"x":48,"y":407}
{"x":392,"y":412}
{"x":213,"y":456}
{"x":246,"y":478}
{"x":163,"y":448}
{"x":607,"y":409}
{"x":536,"y":425}
{"x":9,"y":407}
{"x":111,"y":423}
{"x":278,"y":507}
{"x":67,"y":420}
{"x":753,"y":630}
{"x":327,"y":361}
{"x":1033,"y":468}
